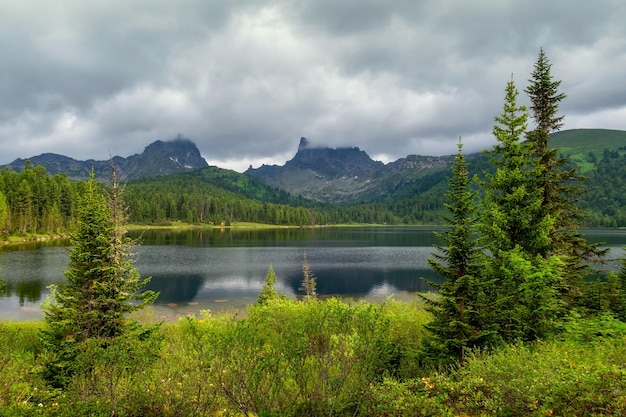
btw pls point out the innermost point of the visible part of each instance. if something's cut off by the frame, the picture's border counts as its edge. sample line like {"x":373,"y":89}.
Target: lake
{"x":225,"y":269}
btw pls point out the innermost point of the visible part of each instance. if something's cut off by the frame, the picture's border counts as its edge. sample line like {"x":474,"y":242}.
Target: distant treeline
{"x":194,"y":199}
{"x":605,"y":201}
{"x":34,"y":202}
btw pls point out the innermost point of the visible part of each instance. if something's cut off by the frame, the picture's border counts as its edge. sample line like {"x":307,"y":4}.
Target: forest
{"x":522,"y":324}
{"x":33,"y":203}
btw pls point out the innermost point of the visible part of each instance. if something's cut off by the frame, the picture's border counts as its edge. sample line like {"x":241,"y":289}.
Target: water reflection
{"x":29,"y":291}
{"x":176,"y":290}
{"x":219,"y":269}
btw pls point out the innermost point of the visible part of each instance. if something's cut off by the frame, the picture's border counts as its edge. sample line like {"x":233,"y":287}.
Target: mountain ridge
{"x":158,"y":158}
{"x":344,"y":175}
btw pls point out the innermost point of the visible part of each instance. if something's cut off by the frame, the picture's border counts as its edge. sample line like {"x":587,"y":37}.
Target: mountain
{"x":346,"y":175}
{"x":158,"y":158}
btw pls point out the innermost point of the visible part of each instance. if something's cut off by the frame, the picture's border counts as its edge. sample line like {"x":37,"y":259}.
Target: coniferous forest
{"x":518,"y":327}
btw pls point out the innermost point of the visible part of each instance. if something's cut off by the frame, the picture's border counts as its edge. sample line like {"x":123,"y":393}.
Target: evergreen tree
{"x":512,"y":205}
{"x":561,"y":185}
{"x":102,"y":287}
{"x":5,"y":218}
{"x":269,"y":288}
{"x":458,"y":312}
{"x":516,"y":231}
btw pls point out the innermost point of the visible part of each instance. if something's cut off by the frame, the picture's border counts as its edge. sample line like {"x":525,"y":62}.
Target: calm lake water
{"x":223,"y":269}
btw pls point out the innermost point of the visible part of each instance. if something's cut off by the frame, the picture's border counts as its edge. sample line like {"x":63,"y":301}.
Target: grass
{"x":180,"y":225}
{"x":320,"y":358}
{"x":579,"y":143}
{"x":30,"y":237}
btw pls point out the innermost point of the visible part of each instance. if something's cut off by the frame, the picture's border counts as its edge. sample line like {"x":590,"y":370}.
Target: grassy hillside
{"x":580,"y":144}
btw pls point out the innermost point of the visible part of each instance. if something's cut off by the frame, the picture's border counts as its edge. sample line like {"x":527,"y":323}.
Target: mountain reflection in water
{"x":221,"y":269}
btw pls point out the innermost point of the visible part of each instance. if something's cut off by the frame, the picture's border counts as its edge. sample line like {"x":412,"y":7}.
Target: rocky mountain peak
{"x":344,"y":175}
{"x":158,"y":158}
{"x":334,"y":162}
{"x":304,"y":143}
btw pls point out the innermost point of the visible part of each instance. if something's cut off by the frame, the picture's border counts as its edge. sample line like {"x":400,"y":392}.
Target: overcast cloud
{"x":246,"y":79}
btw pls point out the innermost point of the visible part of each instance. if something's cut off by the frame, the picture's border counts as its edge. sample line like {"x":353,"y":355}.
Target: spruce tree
{"x":512,"y":205}
{"x":103,"y":287}
{"x":516,"y":231}
{"x":458,"y":312}
{"x":560,"y":183}
{"x":269,"y":288}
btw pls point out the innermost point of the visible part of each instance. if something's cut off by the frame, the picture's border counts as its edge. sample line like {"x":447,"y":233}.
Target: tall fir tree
{"x":103,"y":286}
{"x":512,"y":206}
{"x":458,"y":312}
{"x":516,"y":232}
{"x":560,"y":183}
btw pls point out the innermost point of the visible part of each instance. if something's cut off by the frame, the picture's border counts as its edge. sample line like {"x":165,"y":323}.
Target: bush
{"x":307,"y":358}
{"x":546,"y":378}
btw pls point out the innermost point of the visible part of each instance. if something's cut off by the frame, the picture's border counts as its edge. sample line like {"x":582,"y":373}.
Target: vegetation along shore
{"x":521,"y":325}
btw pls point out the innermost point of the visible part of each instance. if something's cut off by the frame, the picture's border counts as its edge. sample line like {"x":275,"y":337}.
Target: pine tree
{"x":102,"y":287}
{"x":458,"y":311}
{"x":516,"y":232}
{"x":512,"y":206}
{"x":561,"y":185}
{"x":269,"y":288}
{"x":5,"y":218}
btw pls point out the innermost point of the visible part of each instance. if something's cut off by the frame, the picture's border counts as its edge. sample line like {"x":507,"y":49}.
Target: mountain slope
{"x":586,"y":147}
{"x":158,"y":158}
{"x":347,"y":175}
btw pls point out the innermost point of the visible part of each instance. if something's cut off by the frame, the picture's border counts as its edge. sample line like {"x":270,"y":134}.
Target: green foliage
{"x":19,"y":351}
{"x":269,"y":288}
{"x":514,"y":381}
{"x":585,"y":148}
{"x":214,"y":196}
{"x":545,"y":97}
{"x":312,"y":358}
{"x":526,"y":277}
{"x":102,"y":287}
{"x":459,"y":321}
{"x":5,"y":218}
{"x":511,"y":207}
{"x":291,"y":358}
{"x":527,"y":298}
{"x":605,"y":200}
{"x":560,"y":184}
{"x":32,"y":202}
{"x":605,"y":294}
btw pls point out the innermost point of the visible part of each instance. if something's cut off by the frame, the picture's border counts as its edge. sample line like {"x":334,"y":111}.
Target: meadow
{"x":317,"y":358}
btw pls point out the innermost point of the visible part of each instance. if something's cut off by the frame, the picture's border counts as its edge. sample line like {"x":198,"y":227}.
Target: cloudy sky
{"x":246,"y":79}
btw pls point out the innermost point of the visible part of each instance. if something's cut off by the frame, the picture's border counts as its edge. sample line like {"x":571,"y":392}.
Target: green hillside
{"x":586,"y":147}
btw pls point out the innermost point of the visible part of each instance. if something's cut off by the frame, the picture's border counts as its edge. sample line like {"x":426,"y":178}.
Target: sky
{"x":246,"y":79}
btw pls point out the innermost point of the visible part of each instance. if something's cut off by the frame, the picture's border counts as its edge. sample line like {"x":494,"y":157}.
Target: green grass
{"x":322,"y":358}
{"x":578,"y":143}
{"x":180,"y":225}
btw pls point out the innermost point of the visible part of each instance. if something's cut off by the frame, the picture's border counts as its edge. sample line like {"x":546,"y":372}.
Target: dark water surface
{"x":222,"y":269}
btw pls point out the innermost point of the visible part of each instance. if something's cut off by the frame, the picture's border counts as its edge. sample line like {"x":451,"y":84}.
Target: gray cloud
{"x":245,"y":80}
